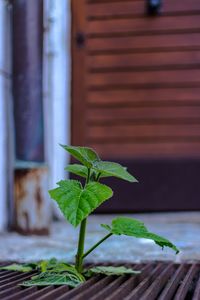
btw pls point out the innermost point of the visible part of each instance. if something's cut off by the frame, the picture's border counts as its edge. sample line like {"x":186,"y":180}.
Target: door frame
{"x":57,"y":87}
{"x":5,"y":100}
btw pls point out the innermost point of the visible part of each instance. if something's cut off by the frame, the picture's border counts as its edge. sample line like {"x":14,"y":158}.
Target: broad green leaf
{"x":113,"y":169}
{"x":47,"y":278}
{"x":109,"y":270}
{"x":82,"y":171}
{"x":135,"y":228}
{"x":55,"y":266}
{"x":20,"y":267}
{"x":85,"y":155}
{"x":77,"y":169}
{"x":77,"y":202}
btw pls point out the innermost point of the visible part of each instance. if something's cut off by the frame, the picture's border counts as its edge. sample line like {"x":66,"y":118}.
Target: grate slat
{"x":55,"y":293}
{"x":92,"y":290}
{"x":107,"y":291}
{"x":153,"y":291}
{"x":9,"y":291}
{"x":145,"y":283}
{"x":13,"y":276}
{"x":157,"y":281}
{"x":173,"y":283}
{"x":7,"y":274}
{"x":126,"y":287}
{"x":21,"y":294}
{"x":39,"y":293}
{"x":83,"y":287}
{"x":184,"y":287}
{"x":197,"y":291}
{"x":16,"y":282}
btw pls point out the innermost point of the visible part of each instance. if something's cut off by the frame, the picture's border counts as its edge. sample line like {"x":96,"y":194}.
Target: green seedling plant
{"x":77,"y":202}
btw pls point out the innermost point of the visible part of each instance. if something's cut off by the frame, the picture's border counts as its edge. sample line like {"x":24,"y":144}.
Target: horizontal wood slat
{"x":147,"y":78}
{"x":133,"y":8}
{"x":141,"y":79}
{"x":142,"y":97}
{"x":139,"y":25}
{"x":146,"y":43}
{"x":147,"y":150}
{"x":142,"y":61}
{"x":143,"y":114}
{"x":134,"y":131}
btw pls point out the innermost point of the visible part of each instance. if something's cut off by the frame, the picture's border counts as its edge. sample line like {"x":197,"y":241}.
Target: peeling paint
{"x":31,"y":201}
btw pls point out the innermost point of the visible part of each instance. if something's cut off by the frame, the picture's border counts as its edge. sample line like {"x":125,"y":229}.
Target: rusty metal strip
{"x":31,"y":202}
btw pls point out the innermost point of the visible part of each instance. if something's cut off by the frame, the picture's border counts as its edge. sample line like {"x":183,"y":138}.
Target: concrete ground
{"x":183,"y":229}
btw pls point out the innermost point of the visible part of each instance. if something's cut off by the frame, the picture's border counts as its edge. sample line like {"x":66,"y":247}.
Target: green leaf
{"x":82,"y":171}
{"x":55,"y":266}
{"x":20,"y":267}
{"x":113,"y":169}
{"x":76,"y":202}
{"x":85,"y":155}
{"x":109,"y":270}
{"x":47,"y":278}
{"x":133,"y":227}
{"x":77,"y":169}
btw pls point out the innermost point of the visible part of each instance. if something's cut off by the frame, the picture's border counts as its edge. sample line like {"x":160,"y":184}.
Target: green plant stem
{"x":96,"y":245}
{"x":80,"y":251}
{"x":98,"y":176}
{"x":81,"y":241}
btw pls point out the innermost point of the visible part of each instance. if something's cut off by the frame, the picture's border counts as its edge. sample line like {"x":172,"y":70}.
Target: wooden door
{"x":136,"y":97}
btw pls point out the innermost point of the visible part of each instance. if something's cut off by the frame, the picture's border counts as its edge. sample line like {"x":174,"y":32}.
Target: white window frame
{"x":57,"y":86}
{"x":5,"y":100}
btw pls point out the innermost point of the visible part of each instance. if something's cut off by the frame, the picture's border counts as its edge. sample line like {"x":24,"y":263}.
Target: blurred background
{"x":120,"y":76}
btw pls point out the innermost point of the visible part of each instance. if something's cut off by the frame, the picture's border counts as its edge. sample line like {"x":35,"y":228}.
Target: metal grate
{"x":158,"y":280}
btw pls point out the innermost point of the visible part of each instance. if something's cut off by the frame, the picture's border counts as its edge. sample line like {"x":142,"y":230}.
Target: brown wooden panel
{"x":143,"y":114}
{"x":78,"y":74}
{"x":148,"y":150}
{"x":147,"y":43}
{"x":138,"y":25}
{"x":131,"y":8}
{"x":106,"y":1}
{"x":143,"y":61}
{"x":137,"y":92}
{"x":142,"y":97}
{"x":164,"y":184}
{"x":148,"y":78}
{"x":113,"y":132}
